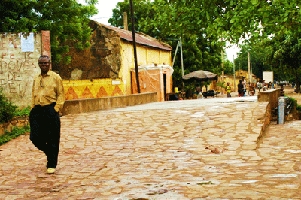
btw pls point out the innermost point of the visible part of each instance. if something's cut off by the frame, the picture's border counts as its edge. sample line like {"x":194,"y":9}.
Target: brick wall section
{"x":46,"y":46}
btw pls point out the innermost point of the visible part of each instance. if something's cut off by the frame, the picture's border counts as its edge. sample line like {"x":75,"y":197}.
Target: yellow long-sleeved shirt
{"x":47,"y":90}
{"x":228,"y":88}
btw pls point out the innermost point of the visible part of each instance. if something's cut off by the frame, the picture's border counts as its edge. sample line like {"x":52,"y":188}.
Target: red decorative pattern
{"x":117,"y":91}
{"x":71,"y":94}
{"x":87,"y":94}
{"x":102,"y":92}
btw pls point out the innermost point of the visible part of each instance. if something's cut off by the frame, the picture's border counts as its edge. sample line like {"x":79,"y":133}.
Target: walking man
{"x":48,"y":98}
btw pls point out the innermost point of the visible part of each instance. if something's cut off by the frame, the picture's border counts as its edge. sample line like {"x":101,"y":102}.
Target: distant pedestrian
{"x":47,"y":99}
{"x":265,"y":87}
{"x":252,"y":89}
{"x":228,"y":89}
{"x":259,"y":86}
{"x":240,"y":87}
{"x":244,"y":83}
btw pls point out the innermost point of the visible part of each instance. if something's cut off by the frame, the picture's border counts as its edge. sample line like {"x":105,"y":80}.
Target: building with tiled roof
{"x":107,"y":67}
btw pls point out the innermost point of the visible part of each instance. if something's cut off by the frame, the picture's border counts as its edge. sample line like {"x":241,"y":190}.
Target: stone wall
{"x":270,"y":96}
{"x":17,"y":122}
{"x":19,"y":55}
{"x":265,"y":120}
{"x":101,"y":60}
{"x":95,"y":104}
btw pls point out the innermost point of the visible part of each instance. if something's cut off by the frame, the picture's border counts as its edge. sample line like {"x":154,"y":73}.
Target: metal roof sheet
{"x":140,"y":38}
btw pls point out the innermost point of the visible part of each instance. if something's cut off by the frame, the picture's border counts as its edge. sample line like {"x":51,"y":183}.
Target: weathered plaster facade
{"x":18,"y":67}
{"x":105,"y":69}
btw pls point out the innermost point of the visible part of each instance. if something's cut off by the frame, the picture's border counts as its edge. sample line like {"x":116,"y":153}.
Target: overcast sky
{"x":105,"y":8}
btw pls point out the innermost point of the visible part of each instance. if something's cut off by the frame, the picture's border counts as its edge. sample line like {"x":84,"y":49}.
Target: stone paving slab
{"x":194,"y":149}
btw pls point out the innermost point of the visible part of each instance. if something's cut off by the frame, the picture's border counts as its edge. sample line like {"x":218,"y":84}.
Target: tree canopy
{"x":275,"y":38}
{"x":67,"y":20}
{"x":270,"y":28}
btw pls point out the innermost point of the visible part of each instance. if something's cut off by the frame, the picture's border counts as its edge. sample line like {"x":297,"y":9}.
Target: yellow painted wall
{"x":127,"y":61}
{"x":81,"y":89}
{"x":145,"y":56}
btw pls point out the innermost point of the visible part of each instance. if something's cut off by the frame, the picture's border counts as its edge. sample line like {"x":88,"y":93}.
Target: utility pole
{"x":174,"y":58}
{"x":182,"y":62}
{"x":234,"y":75}
{"x":249,"y":68}
{"x":134,"y":46}
{"x":222,"y":54}
{"x":222,"y":79}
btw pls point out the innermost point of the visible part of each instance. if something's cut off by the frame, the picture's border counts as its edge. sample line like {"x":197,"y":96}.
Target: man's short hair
{"x":44,"y":56}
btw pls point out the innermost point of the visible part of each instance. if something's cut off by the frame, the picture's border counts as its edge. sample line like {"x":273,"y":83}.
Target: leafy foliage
{"x":7,"y":109}
{"x":7,"y":112}
{"x":258,"y":56}
{"x":22,"y":112}
{"x":16,"y":131}
{"x":66,"y":19}
{"x":271,"y":30}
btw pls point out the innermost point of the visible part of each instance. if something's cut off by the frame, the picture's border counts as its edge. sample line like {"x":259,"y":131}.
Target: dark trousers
{"x":45,"y":128}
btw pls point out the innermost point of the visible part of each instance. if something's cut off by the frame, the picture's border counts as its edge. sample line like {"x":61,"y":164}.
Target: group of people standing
{"x":251,"y":87}
{"x":242,"y":87}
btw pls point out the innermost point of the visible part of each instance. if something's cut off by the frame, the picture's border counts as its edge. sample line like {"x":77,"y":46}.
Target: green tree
{"x":67,"y":20}
{"x":170,"y":20}
{"x":204,"y":25}
{"x":273,"y":36}
{"x":286,"y":56}
{"x":259,"y":58}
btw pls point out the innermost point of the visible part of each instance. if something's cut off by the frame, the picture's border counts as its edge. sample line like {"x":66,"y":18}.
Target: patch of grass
{"x":295,"y":104}
{"x":22,"y":112}
{"x":16,"y":131}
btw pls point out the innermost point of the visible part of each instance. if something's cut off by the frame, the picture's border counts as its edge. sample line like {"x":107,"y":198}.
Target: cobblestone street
{"x":178,"y":150}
